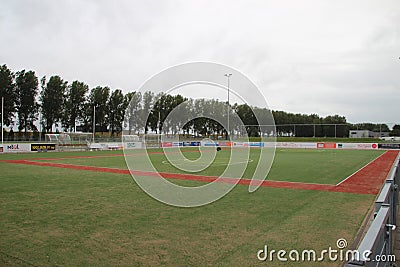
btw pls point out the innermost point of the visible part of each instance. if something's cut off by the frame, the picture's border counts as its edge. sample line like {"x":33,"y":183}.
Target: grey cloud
{"x":299,"y":53}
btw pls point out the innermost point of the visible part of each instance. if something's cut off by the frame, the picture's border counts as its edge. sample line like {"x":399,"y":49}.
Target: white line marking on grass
{"x":292,"y":182}
{"x":360,"y":169}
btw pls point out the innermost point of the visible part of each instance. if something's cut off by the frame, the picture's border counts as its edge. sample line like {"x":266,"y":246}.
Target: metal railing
{"x":376,"y":247}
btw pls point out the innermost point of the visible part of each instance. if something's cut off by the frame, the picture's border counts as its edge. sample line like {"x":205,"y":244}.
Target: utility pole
{"x":228,"y":75}
{"x":94,"y":121}
{"x":2,"y":121}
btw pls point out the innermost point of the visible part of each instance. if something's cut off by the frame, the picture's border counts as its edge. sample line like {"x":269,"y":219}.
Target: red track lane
{"x":369,"y":180}
{"x":366,"y":181}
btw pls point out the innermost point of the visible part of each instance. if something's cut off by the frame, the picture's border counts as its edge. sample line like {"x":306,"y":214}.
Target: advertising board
{"x":223,"y":143}
{"x":389,"y":146}
{"x":132,"y":145}
{"x":166,"y":144}
{"x":295,"y":145}
{"x":208,"y":143}
{"x":326,"y":145}
{"x":43,"y":147}
{"x":256,"y":144}
{"x":357,"y":145}
{"x":177,"y":144}
{"x":17,"y":148}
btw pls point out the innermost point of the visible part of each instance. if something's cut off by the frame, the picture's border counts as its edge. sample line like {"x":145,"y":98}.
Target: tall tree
{"x":87,"y":116}
{"x":396,"y":130}
{"x":160,"y":121}
{"x":188,"y":113}
{"x":7,"y":90}
{"x":246,"y":114}
{"x":133,"y":105}
{"x":27,"y":89}
{"x":180,"y":117}
{"x":98,"y":98}
{"x":53,"y":100}
{"x":200,"y":125}
{"x":371,"y":126}
{"x":148,"y":101}
{"x":116,"y":109}
{"x":74,"y":104}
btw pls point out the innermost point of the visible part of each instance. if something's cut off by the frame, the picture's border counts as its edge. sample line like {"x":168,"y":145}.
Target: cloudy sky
{"x":325,"y":57}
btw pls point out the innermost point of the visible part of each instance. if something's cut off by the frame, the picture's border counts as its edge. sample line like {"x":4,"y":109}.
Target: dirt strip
{"x":366,"y":181}
{"x":369,"y":180}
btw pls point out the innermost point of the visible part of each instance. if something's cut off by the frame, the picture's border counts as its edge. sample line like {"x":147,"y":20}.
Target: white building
{"x":366,"y":134}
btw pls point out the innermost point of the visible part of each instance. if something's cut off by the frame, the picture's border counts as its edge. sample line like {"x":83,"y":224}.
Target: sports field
{"x":84,"y":209}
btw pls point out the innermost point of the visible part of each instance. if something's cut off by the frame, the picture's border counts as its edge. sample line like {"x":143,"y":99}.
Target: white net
{"x":152,"y":140}
{"x":69,"y":141}
{"x":130,"y":138}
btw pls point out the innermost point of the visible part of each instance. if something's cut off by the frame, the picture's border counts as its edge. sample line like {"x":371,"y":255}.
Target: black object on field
{"x":218,"y":148}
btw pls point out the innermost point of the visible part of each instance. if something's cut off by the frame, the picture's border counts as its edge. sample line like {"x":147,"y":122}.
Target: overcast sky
{"x":324,"y":57}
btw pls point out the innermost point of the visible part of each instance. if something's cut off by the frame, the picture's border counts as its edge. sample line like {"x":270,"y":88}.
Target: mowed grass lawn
{"x":293,"y":165}
{"x":52,"y":216}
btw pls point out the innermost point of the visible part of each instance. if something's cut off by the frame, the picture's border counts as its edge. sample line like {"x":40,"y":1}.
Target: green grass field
{"x":293,"y":165}
{"x":63,"y":217}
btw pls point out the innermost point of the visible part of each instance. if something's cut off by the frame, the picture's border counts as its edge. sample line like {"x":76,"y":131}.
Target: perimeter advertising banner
{"x":17,"y":148}
{"x":177,"y":144}
{"x":256,"y":144}
{"x":180,"y":144}
{"x":223,"y":143}
{"x":294,"y":145}
{"x":389,"y":146}
{"x":357,"y":145}
{"x":326,"y":145}
{"x":1,"y":149}
{"x":239,"y":144}
{"x":40,"y":147}
{"x":132,"y":145}
{"x":208,"y":143}
{"x":166,"y":144}
{"x":192,"y":143}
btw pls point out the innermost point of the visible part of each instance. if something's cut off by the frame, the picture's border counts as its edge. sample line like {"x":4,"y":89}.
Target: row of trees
{"x":58,"y":104}
{"x":303,"y":125}
{"x":54,"y":102}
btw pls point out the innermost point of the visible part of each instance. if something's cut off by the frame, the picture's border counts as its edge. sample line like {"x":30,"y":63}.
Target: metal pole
{"x":228,"y":111}
{"x":94,"y":121}
{"x":335,"y":130}
{"x":314,"y":130}
{"x":2,"y":121}
{"x":40,"y":126}
{"x":228,"y":75}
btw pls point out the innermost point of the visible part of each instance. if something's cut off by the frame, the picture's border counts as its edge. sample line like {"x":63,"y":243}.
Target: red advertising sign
{"x":166,"y":144}
{"x":326,"y":145}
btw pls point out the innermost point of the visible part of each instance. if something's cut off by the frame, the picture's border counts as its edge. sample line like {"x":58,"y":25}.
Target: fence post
{"x":379,"y":236}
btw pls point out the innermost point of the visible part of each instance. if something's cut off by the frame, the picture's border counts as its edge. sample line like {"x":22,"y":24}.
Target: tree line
{"x":53,"y":102}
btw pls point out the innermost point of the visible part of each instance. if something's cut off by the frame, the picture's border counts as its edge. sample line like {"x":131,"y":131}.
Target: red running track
{"x":367,"y":180}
